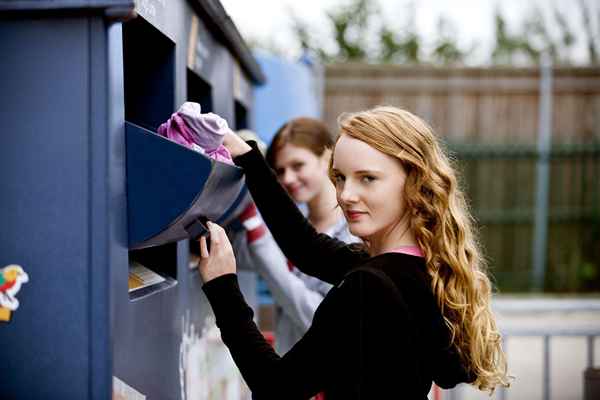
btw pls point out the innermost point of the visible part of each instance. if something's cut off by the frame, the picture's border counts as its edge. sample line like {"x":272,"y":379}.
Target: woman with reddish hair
{"x":410,"y":305}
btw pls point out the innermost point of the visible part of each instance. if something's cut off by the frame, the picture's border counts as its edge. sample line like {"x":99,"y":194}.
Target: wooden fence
{"x":475,"y":105}
{"x":489,"y":119}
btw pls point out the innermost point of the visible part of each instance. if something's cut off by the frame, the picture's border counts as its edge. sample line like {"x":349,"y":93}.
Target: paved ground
{"x":528,"y":318}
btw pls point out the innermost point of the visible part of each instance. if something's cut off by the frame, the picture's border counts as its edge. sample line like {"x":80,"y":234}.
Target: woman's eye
{"x":297,"y":166}
{"x":338,"y":178}
{"x":368,"y":179}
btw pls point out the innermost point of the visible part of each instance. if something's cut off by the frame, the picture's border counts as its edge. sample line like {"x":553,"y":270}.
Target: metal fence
{"x":528,"y":318}
{"x":546,"y":336}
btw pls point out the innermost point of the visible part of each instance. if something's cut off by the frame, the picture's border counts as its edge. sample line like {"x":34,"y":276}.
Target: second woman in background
{"x":299,"y":154}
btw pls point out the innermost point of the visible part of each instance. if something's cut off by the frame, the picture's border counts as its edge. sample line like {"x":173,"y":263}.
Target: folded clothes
{"x":203,"y":133}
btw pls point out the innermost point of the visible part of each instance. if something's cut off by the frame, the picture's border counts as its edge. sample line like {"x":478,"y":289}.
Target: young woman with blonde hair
{"x":410,"y":307}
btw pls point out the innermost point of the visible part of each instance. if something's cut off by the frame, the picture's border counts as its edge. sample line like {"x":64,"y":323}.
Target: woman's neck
{"x":322,"y":209}
{"x":390,"y":239}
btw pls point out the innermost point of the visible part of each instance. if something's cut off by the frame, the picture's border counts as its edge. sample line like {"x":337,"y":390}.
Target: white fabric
{"x":252,"y":223}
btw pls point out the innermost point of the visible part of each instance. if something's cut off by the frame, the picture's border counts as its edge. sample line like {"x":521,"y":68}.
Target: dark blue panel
{"x":222,"y":83}
{"x":44,"y":207}
{"x":101,"y":228}
{"x":148,"y":344}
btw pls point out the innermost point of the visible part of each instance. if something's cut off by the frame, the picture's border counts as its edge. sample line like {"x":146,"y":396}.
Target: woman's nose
{"x":287,"y":177}
{"x":348,"y":194}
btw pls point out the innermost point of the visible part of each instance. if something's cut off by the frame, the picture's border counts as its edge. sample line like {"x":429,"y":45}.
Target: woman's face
{"x":369,"y":186}
{"x":301,"y":172}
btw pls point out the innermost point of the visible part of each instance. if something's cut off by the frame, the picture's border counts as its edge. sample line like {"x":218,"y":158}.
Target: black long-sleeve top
{"x":368,"y":340}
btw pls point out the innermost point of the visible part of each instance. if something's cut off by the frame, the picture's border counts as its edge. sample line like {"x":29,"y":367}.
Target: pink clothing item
{"x":221,"y":154}
{"x":203,"y":133}
{"x":209,"y":130}
{"x":212,"y":126}
{"x":176,"y":130}
{"x":410,"y":250}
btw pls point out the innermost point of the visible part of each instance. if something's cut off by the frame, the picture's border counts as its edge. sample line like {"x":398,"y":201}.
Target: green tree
{"x":535,"y":36}
{"x":361,"y":33}
{"x":349,"y":23}
{"x":591,"y":37}
{"x":350,"y":26}
{"x":509,"y":47}
{"x":567,"y":37}
{"x":446,"y":50}
{"x":397,"y":48}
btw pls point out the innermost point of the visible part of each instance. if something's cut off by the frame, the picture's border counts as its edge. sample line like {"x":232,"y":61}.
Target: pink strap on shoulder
{"x":410,"y":250}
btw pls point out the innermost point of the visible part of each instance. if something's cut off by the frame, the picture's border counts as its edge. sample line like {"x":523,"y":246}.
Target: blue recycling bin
{"x":90,"y":192}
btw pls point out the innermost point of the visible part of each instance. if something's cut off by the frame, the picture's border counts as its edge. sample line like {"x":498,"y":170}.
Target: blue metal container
{"x":87,"y":188}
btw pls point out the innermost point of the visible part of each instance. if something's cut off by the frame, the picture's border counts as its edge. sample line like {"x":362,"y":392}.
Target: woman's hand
{"x":235,"y":144}
{"x":220,"y":260}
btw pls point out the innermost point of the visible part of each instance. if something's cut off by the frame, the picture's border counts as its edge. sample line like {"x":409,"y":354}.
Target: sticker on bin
{"x":11,"y":278}
{"x":122,"y":391}
{"x":141,"y":277}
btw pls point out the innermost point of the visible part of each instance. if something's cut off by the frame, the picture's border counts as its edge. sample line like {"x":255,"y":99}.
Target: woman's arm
{"x":313,"y":253}
{"x":268,"y":375}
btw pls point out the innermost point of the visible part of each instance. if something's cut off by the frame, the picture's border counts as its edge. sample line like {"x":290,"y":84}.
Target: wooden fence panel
{"x":495,"y":105}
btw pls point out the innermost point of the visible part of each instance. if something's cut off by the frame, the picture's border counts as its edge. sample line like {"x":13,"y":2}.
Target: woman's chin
{"x":356,"y":230}
{"x":301,"y":197}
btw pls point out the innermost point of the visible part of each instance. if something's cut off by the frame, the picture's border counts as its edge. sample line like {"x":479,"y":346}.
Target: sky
{"x":269,"y":21}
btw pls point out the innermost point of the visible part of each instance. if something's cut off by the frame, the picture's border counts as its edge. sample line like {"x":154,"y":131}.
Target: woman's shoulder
{"x":397,"y":265}
{"x":386,"y":267}
{"x":405,"y":272}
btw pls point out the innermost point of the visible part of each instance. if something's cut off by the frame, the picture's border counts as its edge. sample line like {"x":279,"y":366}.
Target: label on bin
{"x":141,"y":277}
{"x":122,"y":391}
{"x":11,"y":278}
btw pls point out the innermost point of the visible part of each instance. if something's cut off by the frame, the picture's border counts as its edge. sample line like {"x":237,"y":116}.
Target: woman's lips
{"x":355,"y":215}
{"x":293,"y":189}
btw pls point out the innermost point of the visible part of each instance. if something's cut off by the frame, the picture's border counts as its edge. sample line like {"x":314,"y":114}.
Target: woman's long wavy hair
{"x":443,"y":227}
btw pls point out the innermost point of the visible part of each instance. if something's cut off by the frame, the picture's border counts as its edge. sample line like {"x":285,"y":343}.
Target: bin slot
{"x":241,"y":116}
{"x":199,"y":91}
{"x":152,"y":270}
{"x":148,"y":73}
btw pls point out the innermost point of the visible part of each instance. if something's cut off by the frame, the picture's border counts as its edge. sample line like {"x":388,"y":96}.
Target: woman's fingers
{"x":217,"y":234}
{"x":220,"y":260}
{"x":203,"y":247}
{"x":235,"y":144}
{"x":214,"y":234}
